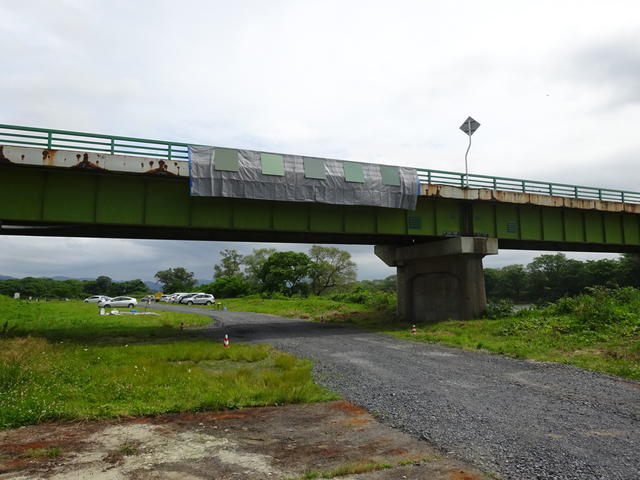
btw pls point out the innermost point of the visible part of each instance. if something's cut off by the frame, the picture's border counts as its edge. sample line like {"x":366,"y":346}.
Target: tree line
{"x":320,"y":271}
{"x":50,"y":288}
{"x":550,"y":277}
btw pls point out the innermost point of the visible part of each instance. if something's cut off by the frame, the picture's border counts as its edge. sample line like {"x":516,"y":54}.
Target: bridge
{"x":62,"y":183}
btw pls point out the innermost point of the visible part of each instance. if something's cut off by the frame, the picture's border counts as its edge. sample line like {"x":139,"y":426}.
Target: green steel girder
{"x":78,"y":203}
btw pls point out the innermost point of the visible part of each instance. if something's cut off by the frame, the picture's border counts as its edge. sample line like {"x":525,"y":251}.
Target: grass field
{"x":600,"y":331}
{"x":61,"y":360}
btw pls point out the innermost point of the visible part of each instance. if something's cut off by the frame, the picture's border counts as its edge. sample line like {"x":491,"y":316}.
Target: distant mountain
{"x":6,"y":277}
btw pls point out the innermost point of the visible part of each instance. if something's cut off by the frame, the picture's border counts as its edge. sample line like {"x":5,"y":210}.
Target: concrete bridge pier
{"x":440,"y":280}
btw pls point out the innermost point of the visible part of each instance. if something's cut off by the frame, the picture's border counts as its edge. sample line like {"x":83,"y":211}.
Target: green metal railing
{"x":92,"y":142}
{"x":61,"y":139}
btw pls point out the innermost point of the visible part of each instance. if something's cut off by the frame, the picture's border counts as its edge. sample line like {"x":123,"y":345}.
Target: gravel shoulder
{"x":521,"y":419}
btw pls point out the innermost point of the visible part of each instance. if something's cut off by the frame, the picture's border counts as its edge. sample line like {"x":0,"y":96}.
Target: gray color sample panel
{"x":226,"y":160}
{"x":272,"y":164}
{"x":390,"y":175}
{"x":255,"y":175}
{"x":314,"y":168}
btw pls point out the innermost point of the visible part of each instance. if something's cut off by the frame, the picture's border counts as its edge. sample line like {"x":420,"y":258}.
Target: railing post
{"x":462,"y":180}
{"x":551,"y":189}
{"x":169,"y":150}
{"x":428,"y":177}
{"x":622,"y":196}
{"x":524,"y":187}
{"x":495,"y":183}
{"x":575,"y":192}
{"x":49,"y":140}
{"x":113,"y":145}
{"x":600,"y":194}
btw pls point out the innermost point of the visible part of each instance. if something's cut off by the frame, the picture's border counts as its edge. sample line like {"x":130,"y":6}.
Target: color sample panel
{"x":226,"y":160}
{"x":353,"y":172}
{"x":314,"y":168}
{"x":272,"y":164}
{"x":390,"y":175}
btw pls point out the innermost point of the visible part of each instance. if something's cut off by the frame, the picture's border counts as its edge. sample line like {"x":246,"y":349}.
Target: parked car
{"x":148,"y":298}
{"x":175,"y":297}
{"x":200,"y":299}
{"x":165,"y":298}
{"x":128,"y":302}
{"x":186,"y":297}
{"x":96,"y":298}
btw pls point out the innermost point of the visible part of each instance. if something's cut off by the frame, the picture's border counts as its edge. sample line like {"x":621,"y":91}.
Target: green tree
{"x":286,"y":272}
{"x":253,"y":264}
{"x":555,"y":276}
{"x":229,"y":265}
{"x":176,"y":279}
{"x":331,"y":268}
{"x":228,"y":287}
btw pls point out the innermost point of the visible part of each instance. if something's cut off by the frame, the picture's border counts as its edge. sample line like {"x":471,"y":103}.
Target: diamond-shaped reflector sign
{"x":469,"y":126}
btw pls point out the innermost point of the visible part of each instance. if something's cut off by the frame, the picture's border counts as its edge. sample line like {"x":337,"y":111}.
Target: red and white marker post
{"x":413,"y":330}
{"x":226,"y":341}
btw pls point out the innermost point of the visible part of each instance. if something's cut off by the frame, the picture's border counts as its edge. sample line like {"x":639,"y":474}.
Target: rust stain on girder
{"x":521,"y":198}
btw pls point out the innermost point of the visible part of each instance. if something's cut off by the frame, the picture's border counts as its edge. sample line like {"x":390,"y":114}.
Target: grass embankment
{"x":61,"y":360}
{"x":599,"y":331}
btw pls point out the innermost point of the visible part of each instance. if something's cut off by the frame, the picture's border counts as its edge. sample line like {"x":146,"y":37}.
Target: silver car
{"x":96,"y":298}
{"x":200,"y":299}
{"x":128,"y":302}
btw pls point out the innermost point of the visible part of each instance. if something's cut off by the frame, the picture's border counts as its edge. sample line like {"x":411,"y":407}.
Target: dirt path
{"x":247,"y":444}
{"x":521,"y":419}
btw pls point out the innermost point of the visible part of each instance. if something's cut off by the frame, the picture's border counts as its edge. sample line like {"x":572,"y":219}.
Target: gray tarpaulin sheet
{"x":239,"y":174}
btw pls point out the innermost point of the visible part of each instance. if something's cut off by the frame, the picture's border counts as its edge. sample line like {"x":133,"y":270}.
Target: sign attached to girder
{"x":224,"y":172}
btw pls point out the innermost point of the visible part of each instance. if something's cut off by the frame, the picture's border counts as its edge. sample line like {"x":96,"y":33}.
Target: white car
{"x":200,"y":299}
{"x":175,"y":297}
{"x":187,"y":296}
{"x":128,"y":302}
{"x":96,"y":298}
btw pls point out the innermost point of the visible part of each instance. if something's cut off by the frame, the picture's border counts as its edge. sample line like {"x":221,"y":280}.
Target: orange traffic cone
{"x":226,"y":341}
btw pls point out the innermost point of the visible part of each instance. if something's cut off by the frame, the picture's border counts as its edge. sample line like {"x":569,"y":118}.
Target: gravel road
{"x":520,"y":419}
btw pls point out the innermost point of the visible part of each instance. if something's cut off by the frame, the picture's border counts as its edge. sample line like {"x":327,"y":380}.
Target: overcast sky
{"x":555,"y":85}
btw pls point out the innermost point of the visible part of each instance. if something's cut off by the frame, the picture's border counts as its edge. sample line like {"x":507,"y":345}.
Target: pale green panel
{"x":573,"y":226}
{"x":226,"y":159}
{"x":507,"y":221}
{"x":390,"y":175}
{"x":360,"y":219}
{"x":530,"y":223}
{"x":272,"y":164}
{"x":552,"y":227}
{"x":211,"y":212}
{"x":353,"y":172}
{"x":593,"y":227}
{"x":484,"y":222}
{"x":613,"y":228}
{"x":631,"y":229}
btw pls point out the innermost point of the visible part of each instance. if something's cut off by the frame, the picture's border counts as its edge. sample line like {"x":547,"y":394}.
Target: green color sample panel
{"x":226,"y":159}
{"x":507,"y":221}
{"x":353,"y":172}
{"x":573,"y":226}
{"x":325,"y":218}
{"x":251,"y":215}
{"x":291,"y":217}
{"x":593,"y":227}
{"x":484,"y":219}
{"x":390,"y":221}
{"x":530,"y":223}
{"x":21,"y":194}
{"x":613,"y":228}
{"x":69,"y":197}
{"x":390,"y":175}
{"x":167,"y":203}
{"x":211,"y":212}
{"x":424,"y":218}
{"x":120,"y":200}
{"x":552,"y":225}
{"x":272,"y":164}
{"x":631,"y":229}
{"x":360,"y":220}
{"x":314,"y":168}
{"x":448,"y":217}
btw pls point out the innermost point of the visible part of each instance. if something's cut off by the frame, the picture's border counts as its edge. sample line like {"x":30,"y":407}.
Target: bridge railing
{"x":456,"y":179}
{"x":93,"y":142}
